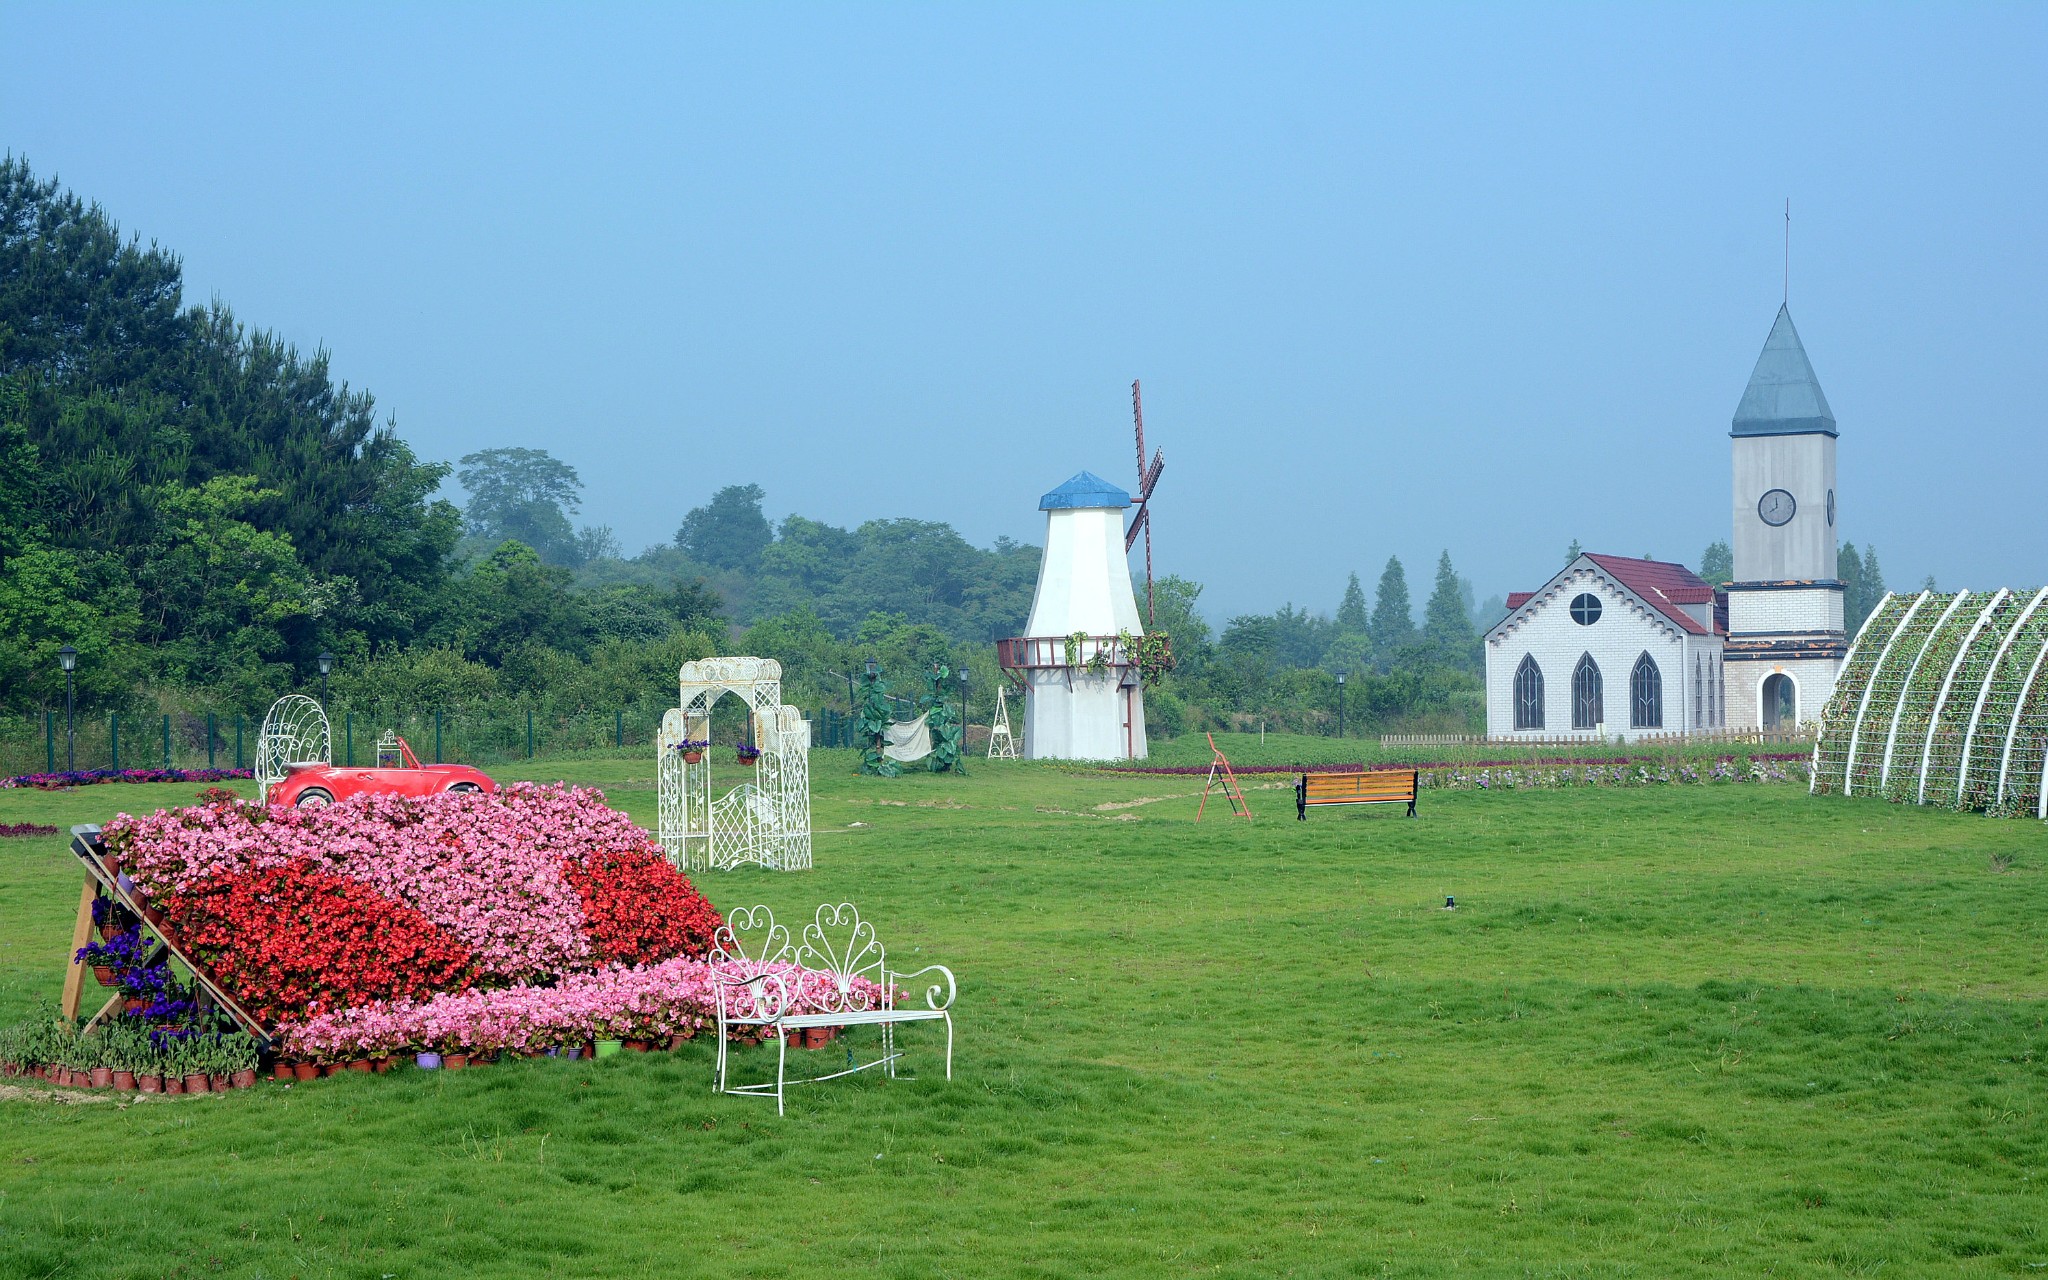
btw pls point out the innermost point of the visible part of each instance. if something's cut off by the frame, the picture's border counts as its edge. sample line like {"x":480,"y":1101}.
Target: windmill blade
{"x":1149,"y":476}
{"x":1142,"y":522}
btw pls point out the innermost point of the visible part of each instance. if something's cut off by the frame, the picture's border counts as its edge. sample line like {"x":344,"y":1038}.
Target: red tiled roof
{"x":1516,"y":599}
{"x":1663,"y":585}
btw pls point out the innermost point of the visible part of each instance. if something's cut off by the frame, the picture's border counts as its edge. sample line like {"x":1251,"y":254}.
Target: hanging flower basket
{"x":692,"y":749}
{"x":747,"y":755}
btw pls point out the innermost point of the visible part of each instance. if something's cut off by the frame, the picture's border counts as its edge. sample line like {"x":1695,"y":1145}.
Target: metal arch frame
{"x":1869,"y":687}
{"x":1976,"y":710}
{"x":281,"y":734}
{"x":1941,"y":699}
{"x":1891,"y":738}
{"x":2020,"y":709}
{"x":1821,"y":731}
{"x":765,"y":821}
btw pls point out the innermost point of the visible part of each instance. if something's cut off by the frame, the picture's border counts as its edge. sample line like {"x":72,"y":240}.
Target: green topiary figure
{"x":873,"y":728}
{"x":942,"y":722}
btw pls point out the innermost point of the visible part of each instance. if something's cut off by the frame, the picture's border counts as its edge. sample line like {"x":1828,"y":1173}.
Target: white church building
{"x":1620,"y":647}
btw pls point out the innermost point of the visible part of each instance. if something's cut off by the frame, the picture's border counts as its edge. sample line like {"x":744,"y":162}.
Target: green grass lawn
{"x":1697,"y":1031}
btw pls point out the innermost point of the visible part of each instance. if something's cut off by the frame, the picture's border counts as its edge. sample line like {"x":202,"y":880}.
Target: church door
{"x":1781,"y":702}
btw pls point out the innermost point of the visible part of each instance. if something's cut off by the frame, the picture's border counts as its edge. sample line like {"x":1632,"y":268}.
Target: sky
{"x":1397,"y":281}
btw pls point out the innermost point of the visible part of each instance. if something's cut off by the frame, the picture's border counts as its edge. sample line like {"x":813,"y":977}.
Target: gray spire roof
{"x":1783,"y":397}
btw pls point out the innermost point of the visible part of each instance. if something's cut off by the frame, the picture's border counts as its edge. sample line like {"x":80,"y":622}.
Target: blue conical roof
{"x":1783,"y":397}
{"x":1086,"y":489}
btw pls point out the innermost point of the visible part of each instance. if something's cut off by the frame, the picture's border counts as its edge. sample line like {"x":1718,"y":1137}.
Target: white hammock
{"x":908,"y":742}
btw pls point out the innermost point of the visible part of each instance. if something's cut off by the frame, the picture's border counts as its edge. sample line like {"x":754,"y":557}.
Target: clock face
{"x":1831,"y":508}
{"x":1776,"y":507}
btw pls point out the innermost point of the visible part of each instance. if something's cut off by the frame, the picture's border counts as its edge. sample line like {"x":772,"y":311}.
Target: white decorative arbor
{"x":765,"y":821}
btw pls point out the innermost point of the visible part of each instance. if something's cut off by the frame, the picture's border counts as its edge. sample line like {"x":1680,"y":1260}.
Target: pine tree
{"x":1873,"y":584}
{"x":1573,"y":551}
{"x":1352,"y":615}
{"x":1849,"y":569}
{"x":1717,"y":563}
{"x":1447,"y":623}
{"x":1393,"y":624}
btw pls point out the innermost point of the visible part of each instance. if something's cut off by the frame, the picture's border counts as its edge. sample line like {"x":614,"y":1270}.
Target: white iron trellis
{"x":1820,"y":736}
{"x":295,"y":733}
{"x":1876,"y":668}
{"x":766,"y":820}
{"x":2019,"y":712}
{"x":1891,"y":737}
{"x":1941,"y":699}
{"x":1983,"y":693}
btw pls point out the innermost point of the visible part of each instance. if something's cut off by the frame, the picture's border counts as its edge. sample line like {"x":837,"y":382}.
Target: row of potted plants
{"x":693,"y":750}
{"x":126,"y":1057}
{"x":88,"y":777}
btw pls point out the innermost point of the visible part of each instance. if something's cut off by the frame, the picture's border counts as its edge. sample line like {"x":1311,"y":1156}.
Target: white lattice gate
{"x":766,"y":820}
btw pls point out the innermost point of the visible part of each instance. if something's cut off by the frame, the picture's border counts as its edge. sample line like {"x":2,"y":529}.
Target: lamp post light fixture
{"x":1340,"y":704}
{"x":326,"y":661}
{"x":963,"y":712}
{"x":67,"y":658}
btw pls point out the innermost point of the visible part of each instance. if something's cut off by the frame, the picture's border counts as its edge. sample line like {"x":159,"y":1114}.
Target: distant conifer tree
{"x":1393,"y":622}
{"x":1717,"y":563}
{"x":1352,"y":614}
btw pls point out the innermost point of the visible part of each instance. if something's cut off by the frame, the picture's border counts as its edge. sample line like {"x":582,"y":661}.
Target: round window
{"x":1585,"y":608}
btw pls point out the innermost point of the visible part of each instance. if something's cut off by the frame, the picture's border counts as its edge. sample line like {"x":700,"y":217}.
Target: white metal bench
{"x":837,"y":975}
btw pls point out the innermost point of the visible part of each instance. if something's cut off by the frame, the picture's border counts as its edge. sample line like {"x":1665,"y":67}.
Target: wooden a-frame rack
{"x":1223,"y":779}
{"x":91,"y":850}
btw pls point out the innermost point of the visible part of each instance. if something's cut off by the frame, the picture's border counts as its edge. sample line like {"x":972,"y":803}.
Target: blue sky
{"x":1396,"y":280}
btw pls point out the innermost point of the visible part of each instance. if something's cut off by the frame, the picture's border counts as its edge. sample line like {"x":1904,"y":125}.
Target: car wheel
{"x":464,"y":788}
{"x":313,"y":798}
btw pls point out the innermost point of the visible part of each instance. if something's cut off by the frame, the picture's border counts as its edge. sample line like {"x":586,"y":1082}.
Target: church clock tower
{"x":1785,"y":635}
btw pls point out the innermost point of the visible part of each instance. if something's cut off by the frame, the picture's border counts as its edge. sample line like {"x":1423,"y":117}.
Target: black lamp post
{"x":963,"y":710}
{"x":67,"y":658}
{"x":1340,"y":704}
{"x":326,"y":661}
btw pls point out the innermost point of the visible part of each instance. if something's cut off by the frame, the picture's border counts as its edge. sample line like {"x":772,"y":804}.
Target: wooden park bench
{"x":1372,"y":786}
{"x":836,"y":976}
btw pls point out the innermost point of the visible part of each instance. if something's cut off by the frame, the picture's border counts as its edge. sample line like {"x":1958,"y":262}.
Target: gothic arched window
{"x":1646,"y":694}
{"x":1699,"y":685}
{"x":1528,"y":694}
{"x":1589,"y":709}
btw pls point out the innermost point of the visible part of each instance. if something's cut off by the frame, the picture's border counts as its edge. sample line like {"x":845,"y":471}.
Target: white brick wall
{"x":1814,"y":678}
{"x":1782,"y":611}
{"x":1626,"y":629}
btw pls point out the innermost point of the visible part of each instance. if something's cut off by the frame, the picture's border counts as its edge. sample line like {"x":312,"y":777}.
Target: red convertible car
{"x":398,"y":773}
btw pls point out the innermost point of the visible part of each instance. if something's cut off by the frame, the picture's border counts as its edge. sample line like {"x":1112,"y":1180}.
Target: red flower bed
{"x":290,"y":938}
{"x":638,"y":909}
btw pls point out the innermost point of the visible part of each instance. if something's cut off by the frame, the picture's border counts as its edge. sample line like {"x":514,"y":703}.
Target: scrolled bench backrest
{"x":749,"y":941}
{"x":840,"y":948}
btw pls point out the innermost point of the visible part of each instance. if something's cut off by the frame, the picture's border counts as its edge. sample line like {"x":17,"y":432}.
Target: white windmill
{"x":1078,"y":659}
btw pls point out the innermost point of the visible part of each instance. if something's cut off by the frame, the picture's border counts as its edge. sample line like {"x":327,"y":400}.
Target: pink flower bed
{"x":645,"y":1002}
{"x":486,"y":869}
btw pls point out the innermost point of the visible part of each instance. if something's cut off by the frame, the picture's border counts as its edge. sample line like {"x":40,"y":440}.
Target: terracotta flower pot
{"x":360,"y":1064}
{"x":454,"y":1061}
{"x":105,"y":974}
{"x":241,"y":1079}
{"x":197,"y":1082}
{"x":102,"y":1078}
{"x":219,"y":1083}
{"x":153,"y":915}
{"x":332,"y":1068}
{"x":676,"y":1042}
{"x":280,"y":1070}
{"x":693,"y":757}
{"x":795,"y":1039}
{"x":124,"y":1081}
{"x":305,"y":1071}
{"x":107,"y":932}
{"x":134,"y":1004}
{"x":817,"y":1037}
{"x":150,"y":1084}
{"x":637,"y":1046}
{"x":380,"y":1065}
{"x":174,"y":1084}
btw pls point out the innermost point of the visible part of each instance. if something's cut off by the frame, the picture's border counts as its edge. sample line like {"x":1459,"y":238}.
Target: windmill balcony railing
{"x":1051,"y":653}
